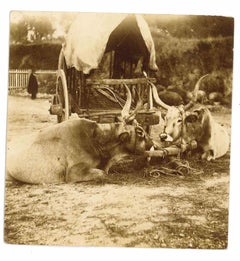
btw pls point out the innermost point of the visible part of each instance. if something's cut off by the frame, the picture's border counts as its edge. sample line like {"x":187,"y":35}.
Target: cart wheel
{"x":61,"y":61}
{"x":62,"y":91}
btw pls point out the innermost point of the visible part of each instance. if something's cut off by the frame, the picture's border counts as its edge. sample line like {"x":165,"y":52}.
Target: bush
{"x":183,"y":61}
{"x":46,"y":83}
{"x":35,"y":56}
{"x":177,"y":58}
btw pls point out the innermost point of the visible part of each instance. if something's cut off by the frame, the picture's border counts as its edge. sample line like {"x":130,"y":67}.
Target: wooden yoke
{"x":171,"y":151}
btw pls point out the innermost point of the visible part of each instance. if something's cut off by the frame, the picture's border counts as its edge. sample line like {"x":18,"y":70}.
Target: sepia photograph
{"x":118,"y":130}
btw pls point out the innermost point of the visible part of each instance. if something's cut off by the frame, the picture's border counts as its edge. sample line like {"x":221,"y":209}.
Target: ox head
{"x":126,"y":135}
{"x":197,"y":124}
{"x":134,"y":139}
{"x":176,"y":115}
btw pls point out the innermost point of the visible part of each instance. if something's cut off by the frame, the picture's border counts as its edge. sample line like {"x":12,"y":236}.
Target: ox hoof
{"x":96,"y":175}
{"x":208,"y":156}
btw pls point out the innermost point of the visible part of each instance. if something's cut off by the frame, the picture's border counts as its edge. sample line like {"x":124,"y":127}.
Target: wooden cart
{"x":102,"y":53}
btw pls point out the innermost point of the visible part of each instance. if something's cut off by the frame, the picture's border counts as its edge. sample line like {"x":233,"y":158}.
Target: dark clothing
{"x":32,"y":85}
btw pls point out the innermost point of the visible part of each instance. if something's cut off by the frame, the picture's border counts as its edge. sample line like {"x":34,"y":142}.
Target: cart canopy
{"x":93,"y":34}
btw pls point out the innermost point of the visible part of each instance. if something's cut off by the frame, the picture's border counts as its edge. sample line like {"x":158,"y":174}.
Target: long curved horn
{"x":156,"y":97}
{"x":126,"y":108}
{"x":196,"y":88}
{"x":195,"y":93}
{"x":155,"y":94}
{"x":139,"y":105}
{"x":139,"y":102}
{"x":131,"y":116}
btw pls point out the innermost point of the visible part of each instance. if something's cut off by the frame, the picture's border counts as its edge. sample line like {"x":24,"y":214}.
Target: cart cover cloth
{"x":88,"y":36}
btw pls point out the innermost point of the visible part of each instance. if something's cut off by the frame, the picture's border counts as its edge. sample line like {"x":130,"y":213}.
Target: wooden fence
{"x":18,"y":79}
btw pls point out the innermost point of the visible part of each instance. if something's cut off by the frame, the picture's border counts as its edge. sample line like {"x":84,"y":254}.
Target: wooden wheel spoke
{"x":62,"y":91}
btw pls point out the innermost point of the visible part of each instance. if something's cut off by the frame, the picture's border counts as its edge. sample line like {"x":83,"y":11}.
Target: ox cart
{"x":101,"y":55}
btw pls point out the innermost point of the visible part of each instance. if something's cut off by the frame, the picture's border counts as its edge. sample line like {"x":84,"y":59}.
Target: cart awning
{"x":93,"y":34}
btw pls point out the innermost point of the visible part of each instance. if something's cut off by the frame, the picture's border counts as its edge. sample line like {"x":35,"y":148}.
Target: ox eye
{"x":179,"y":120}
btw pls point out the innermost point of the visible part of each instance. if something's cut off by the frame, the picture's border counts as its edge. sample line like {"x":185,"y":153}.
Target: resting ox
{"x":193,"y":122}
{"x":76,"y":150}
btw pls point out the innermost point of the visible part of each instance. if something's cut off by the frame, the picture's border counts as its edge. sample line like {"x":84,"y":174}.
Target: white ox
{"x":75,"y":150}
{"x":194,"y":122}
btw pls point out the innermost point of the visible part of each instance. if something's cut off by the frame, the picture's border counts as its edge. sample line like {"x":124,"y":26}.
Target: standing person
{"x":32,"y":85}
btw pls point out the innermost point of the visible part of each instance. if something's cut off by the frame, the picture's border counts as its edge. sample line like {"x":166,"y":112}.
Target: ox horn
{"x":195,"y":93}
{"x":155,"y":94}
{"x":157,"y":98}
{"x":126,"y":116}
{"x":126,"y":108}
{"x":139,"y":105}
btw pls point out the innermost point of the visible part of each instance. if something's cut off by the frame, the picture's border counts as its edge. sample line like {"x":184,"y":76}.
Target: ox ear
{"x":191,"y":118}
{"x":195,"y":116}
{"x":124,"y":136}
{"x":200,"y":112}
{"x":163,"y":114}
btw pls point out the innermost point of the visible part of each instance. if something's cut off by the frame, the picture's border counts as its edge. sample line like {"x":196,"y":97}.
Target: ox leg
{"x":96,"y":174}
{"x":113,"y":161}
{"x":78,"y":173}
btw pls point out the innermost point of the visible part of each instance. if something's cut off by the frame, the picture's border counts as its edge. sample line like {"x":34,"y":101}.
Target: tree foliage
{"x":192,"y":26}
{"x":18,"y":32}
{"x":42,"y":28}
{"x":180,"y":26}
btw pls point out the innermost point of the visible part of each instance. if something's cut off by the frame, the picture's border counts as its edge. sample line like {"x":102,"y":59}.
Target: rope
{"x":174,"y":168}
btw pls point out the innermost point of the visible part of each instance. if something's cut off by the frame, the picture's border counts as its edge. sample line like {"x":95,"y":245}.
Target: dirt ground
{"x":131,"y":209}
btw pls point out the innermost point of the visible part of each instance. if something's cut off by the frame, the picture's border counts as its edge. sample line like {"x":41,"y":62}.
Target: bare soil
{"x":130,"y":209}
